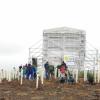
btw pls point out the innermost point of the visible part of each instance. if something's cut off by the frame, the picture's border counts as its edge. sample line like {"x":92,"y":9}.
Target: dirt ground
{"x":51,"y":90}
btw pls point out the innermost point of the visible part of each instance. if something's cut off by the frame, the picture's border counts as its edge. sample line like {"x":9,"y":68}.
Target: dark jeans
{"x":47,"y":74}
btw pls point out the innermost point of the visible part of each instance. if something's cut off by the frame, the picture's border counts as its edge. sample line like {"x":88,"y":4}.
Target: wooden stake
{"x":37,"y":80}
{"x":42,"y":77}
{"x":21,"y":82}
{"x":95,"y":76}
{"x":55,"y":73}
{"x":9,"y":76}
{"x":85,"y":75}
{"x":76,"y":75}
{"x":0,"y":78}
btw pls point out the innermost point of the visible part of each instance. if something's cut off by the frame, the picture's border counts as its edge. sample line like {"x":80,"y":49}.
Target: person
{"x":29,"y":71}
{"x":63,"y":72}
{"x":20,"y":68}
{"x":34,"y":71}
{"x":51,"y":70}
{"x":71,"y":80}
{"x":64,"y":64}
{"x":24,"y":70}
{"x":63,"y":68}
{"x":46,"y":66}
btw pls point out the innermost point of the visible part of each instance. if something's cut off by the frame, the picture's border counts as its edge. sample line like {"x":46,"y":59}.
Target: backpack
{"x":51,"y":68}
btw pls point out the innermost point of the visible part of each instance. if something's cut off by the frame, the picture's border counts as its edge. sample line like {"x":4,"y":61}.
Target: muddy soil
{"x":51,"y":90}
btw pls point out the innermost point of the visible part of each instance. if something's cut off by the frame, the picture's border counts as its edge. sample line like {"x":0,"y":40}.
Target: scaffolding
{"x":67,"y":44}
{"x":91,"y":57}
{"x":64,"y":41}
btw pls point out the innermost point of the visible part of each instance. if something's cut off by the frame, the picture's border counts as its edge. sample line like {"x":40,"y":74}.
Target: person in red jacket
{"x":63,"y":71}
{"x":63,"y":67}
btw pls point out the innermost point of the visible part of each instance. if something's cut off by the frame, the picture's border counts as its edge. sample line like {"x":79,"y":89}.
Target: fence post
{"x":85,"y":75}
{"x":76,"y":75}
{"x":2,"y":74}
{"x":37,"y":81}
{"x":95,"y":76}
{"x":55,"y":72}
{"x":59,"y":74}
{"x":0,"y":77}
{"x":21,"y":82}
{"x":42,"y":73}
{"x":9,"y":76}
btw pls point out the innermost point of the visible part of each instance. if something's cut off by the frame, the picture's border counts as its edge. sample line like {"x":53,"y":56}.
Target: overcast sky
{"x":22,"y":23}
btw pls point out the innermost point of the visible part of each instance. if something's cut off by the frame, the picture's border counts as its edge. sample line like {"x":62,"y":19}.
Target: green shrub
{"x":81,"y":74}
{"x":90,"y":78}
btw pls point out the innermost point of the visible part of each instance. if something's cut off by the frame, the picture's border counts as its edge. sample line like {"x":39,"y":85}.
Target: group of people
{"x":49,"y":69}
{"x":65,"y":75}
{"x":29,"y":71}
